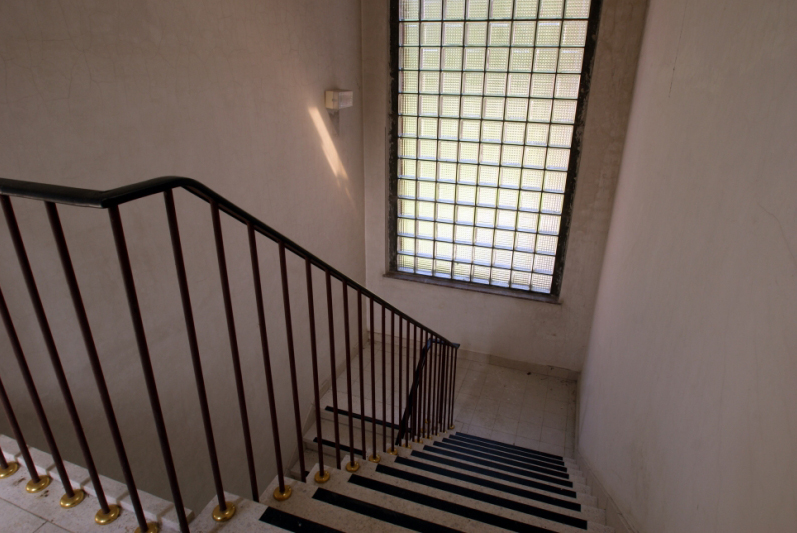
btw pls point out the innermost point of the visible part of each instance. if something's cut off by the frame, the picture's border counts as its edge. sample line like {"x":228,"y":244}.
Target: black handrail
{"x":121,"y":195}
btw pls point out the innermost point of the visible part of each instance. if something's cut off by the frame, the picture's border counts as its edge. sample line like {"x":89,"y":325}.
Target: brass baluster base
{"x":152,"y":527}
{"x":407,"y":446}
{"x":352,"y":467}
{"x":375,"y":458}
{"x":393,"y":451}
{"x":68,"y":502}
{"x":319,"y":478}
{"x":282,"y":496}
{"x":418,"y":441}
{"x":104,"y":519}
{"x":451,"y":426}
{"x":226,"y":514}
{"x":13,"y":466}
{"x":34,"y":487}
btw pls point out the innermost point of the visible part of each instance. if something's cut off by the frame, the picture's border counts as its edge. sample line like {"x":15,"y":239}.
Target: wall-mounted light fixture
{"x":337,"y":100}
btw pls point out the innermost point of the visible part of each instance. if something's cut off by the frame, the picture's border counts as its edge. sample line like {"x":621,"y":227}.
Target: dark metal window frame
{"x":570,"y":183}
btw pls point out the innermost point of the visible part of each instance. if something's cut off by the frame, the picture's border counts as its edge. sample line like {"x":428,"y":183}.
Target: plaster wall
{"x":522,"y":330}
{"x":101,"y":94}
{"x":687,"y":396}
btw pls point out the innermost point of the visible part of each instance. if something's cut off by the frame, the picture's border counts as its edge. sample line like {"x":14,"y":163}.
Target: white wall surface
{"x":101,"y":94}
{"x":511,"y":328}
{"x":687,"y":400}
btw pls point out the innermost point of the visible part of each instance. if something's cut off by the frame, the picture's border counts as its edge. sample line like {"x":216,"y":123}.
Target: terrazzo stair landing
{"x":485,"y":486}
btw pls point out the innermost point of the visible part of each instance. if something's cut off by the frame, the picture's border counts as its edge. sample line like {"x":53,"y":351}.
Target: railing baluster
{"x":453,"y":388}
{"x":281,"y":492}
{"x":96,"y":368}
{"x":393,"y":449}
{"x":225,"y":510}
{"x":441,"y":376}
{"x":400,"y":383}
{"x":17,"y":431}
{"x":333,"y":376}
{"x":384,"y":385}
{"x":286,"y":300}
{"x":360,"y":351}
{"x":424,"y":419}
{"x":446,"y":372}
{"x":414,"y":366}
{"x":321,"y":476}
{"x":353,"y":465}
{"x":146,"y":363}
{"x":236,"y":361}
{"x":374,"y":454}
{"x":73,"y":496}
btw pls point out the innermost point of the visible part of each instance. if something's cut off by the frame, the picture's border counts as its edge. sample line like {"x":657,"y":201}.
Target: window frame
{"x":593,"y":23}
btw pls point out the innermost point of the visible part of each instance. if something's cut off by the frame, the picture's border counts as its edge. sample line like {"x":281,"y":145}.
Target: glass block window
{"x":487,"y":97}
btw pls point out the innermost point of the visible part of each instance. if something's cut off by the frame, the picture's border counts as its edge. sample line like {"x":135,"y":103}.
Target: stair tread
{"x":504,"y":490}
{"x":302,"y":504}
{"x":492,"y":506}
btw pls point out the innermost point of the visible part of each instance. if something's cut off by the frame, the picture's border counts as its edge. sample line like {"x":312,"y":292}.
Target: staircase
{"x":377,"y":446}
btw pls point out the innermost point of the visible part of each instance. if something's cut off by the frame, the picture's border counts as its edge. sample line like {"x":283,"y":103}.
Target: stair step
{"x":509,"y":453}
{"x":558,"y":472}
{"x":517,"y":449}
{"x":550,"y":480}
{"x":305,"y":509}
{"x":504,"y":490}
{"x":290,"y":522}
{"x":498,"y":475}
{"x":498,"y":511}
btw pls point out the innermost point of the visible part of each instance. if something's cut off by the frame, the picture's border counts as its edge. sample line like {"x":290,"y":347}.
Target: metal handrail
{"x":430,"y":397}
{"x":75,"y":196}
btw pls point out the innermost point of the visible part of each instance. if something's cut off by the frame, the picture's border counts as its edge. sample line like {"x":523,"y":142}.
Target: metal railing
{"x":425,"y":403}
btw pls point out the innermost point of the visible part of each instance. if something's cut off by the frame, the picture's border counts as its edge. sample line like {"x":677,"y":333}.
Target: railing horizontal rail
{"x":75,"y":196}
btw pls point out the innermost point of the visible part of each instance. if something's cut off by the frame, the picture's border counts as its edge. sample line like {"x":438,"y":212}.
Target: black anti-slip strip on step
{"x":509,"y":446}
{"x":377,"y":512}
{"x":445,"y":506}
{"x":492,"y":473}
{"x":290,"y":522}
{"x":499,"y":459}
{"x":486,"y":483}
{"x":367,"y":419}
{"x":498,"y":466}
{"x":343,"y":447}
{"x":482,"y":497}
{"x":510,"y":454}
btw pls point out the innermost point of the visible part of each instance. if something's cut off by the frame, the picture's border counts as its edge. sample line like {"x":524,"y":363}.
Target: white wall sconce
{"x":337,"y":100}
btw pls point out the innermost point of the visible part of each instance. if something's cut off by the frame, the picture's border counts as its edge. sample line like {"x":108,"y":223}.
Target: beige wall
{"x":522,"y":330}
{"x":102,"y":94}
{"x":687,"y":401}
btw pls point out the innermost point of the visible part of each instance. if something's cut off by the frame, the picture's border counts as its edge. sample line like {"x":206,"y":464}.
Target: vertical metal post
{"x":17,"y":431}
{"x":400,"y":375}
{"x":321,"y":476}
{"x":236,"y":359}
{"x":333,"y":376}
{"x":384,"y":385}
{"x":353,"y":465}
{"x":96,"y":368}
{"x":146,"y":363}
{"x":374,"y":454}
{"x":453,"y":387}
{"x":286,"y":301}
{"x":73,"y":496}
{"x":281,"y":492}
{"x":393,"y":449}
{"x":361,"y":351}
{"x":225,"y":510}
